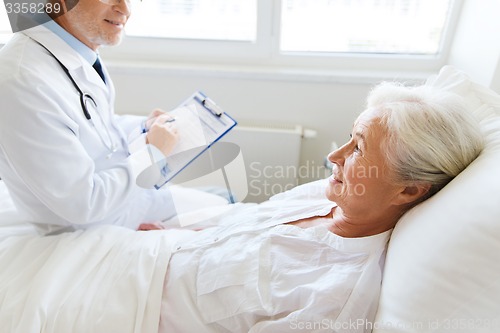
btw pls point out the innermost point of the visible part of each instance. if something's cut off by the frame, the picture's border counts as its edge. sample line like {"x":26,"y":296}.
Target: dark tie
{"x":98,"y":68}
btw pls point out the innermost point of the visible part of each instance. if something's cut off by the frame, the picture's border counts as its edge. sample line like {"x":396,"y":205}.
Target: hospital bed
{"x":442,"y":272}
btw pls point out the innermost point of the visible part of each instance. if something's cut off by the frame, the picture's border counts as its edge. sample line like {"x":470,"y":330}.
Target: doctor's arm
{"x":49,"y":159}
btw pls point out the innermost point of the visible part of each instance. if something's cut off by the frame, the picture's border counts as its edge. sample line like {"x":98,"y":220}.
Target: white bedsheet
{"x":11,"y":222}
{"x":104,"y":279}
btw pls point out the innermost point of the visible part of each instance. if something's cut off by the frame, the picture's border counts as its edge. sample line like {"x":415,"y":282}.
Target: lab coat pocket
{"x":228,"y":281}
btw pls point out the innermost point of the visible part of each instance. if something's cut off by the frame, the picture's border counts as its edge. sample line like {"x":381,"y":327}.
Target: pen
{"x":145,"y":130}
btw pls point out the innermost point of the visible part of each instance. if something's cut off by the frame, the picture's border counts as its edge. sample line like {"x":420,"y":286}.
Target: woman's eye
{"x":356,"y":147}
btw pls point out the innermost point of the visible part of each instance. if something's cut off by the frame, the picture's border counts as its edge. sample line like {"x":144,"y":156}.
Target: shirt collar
{"x":87,"y":53}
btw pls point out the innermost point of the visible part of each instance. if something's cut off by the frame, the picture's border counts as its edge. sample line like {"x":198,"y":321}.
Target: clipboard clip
{"x":212,"y":107}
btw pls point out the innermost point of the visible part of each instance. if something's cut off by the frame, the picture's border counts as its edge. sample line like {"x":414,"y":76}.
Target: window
{"x":369,"y":26}
{"x":356,"y":26}
{"x":308,"y":33}
{"x":195,"y":19}
{"x":330,"y":34}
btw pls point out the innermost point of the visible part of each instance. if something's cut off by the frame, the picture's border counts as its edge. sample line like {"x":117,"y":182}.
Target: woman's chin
{"x":331,"y":194}
{"x":334,"y":189}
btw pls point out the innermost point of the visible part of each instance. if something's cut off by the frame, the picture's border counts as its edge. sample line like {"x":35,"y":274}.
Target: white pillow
{"x":442,"y":270}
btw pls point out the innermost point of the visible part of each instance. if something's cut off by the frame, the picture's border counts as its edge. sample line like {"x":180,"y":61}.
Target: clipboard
{"x":200,"y":123}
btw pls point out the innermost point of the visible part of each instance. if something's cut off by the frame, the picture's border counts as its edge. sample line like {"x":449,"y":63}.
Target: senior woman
{"x":306,"y":260}
{"x":300,"y":262}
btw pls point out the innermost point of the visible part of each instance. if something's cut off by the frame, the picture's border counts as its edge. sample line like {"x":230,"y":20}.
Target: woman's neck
{"x":347,"y":227}
{"x":341,"y":225}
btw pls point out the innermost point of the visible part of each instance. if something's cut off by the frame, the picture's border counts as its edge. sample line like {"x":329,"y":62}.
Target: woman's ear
{"x":411,"y":194}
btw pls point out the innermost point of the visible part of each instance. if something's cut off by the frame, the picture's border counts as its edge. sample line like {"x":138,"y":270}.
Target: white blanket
{"x":105,"y":279}
{"x":11,"y":222}
{"x":101,"y":280}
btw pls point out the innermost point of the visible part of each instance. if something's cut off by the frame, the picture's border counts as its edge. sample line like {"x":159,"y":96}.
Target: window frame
{"x":265,"y":50}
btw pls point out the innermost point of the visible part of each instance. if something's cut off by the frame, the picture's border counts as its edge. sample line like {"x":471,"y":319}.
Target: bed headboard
{"x":442,"y":270}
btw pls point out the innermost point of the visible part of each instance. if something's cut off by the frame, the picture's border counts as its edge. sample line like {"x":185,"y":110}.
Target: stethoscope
{"x":85,"y":100}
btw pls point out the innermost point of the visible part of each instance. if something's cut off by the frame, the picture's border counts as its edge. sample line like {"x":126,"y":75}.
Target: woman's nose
{"x":338,"y":155}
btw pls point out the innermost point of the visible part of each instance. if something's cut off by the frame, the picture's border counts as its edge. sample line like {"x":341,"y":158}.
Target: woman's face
{"x":360,"y":182}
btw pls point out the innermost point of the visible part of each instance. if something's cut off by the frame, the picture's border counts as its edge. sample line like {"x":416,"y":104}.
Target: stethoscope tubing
{"x":82,"y":94}
{"x":83,"y":97}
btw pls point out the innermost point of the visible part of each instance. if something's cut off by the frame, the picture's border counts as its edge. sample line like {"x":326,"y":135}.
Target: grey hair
{"x":431,"y":136}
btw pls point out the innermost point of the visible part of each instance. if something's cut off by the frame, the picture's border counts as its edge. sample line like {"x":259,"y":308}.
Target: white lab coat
{"x":52,"y":159}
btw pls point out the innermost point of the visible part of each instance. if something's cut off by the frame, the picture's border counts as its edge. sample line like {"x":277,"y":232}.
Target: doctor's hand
{"x":152,"y":117}
{"x":162,"y":134}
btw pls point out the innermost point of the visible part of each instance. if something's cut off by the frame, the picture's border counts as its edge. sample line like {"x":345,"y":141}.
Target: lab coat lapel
{"x":109,"y":84}
{"x":98,"y":84}
{"x":92,"y":83}
{"x":93,"y":78}
{"x":76,"y":65}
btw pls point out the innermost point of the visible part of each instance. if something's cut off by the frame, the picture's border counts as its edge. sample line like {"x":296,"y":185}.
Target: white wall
{"x":476,"y":48}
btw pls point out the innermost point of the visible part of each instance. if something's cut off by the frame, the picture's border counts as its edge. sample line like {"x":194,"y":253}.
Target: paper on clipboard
{"x":200,"y":123}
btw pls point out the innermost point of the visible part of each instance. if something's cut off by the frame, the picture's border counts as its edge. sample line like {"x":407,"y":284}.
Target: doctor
{"x":65,"y":156}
